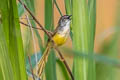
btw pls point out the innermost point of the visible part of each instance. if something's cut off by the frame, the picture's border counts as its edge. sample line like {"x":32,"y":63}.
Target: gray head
{"x":64,"y":20}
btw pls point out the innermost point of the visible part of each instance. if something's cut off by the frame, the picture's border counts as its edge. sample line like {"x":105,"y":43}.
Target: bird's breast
{"x":59,"y":39}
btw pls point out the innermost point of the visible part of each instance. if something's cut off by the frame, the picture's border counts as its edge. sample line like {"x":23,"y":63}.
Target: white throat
{"x":66,"y":29}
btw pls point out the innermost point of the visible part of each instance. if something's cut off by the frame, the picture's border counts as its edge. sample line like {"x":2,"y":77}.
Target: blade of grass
{"x":15,"y":45}
{"x":30,"y":5}
{"x":68,"y":7}
{"x":97,"y":56}
{"x":1,"y":76}
{"x":57,"y":7}
{"x":26,"y":33}
{"x":50,"y":68}
{"x":13,"y":36}
{"x":4,"y":18}
{"x":92,"y":19}
{"x":80,"y":38}
{"x":6,"y":72}
{"x":20,"y":9}
{"x":65,"y":63}
{"x":63,"y":70}
{"x":92,"y":22}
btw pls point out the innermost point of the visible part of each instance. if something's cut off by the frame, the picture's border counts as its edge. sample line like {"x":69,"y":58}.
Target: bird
{"x":59,"y":37}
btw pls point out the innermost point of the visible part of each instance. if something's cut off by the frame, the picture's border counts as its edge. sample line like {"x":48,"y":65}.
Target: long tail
{"x":43,"y":60}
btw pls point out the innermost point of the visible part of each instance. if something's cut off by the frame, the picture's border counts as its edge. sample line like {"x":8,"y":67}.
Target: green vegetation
{"x":87,"y":65}
{"x":12,"y":61}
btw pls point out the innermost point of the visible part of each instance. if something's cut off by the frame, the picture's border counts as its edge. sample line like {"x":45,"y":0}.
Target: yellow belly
{"x":59,"y":40}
